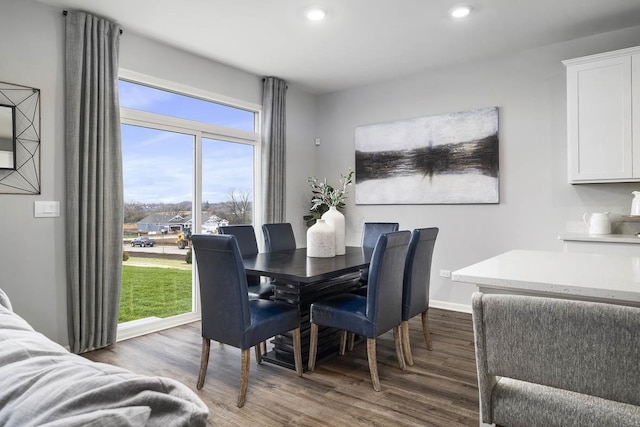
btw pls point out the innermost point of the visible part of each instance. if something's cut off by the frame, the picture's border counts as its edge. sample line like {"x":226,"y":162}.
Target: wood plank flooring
{"x":440,"y":389}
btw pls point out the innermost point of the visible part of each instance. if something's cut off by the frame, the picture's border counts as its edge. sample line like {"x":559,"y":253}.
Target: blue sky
{"x":158,"y":165}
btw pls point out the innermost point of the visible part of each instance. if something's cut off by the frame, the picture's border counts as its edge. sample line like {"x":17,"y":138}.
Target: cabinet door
{"x":599,"y":120}
{"x":635,"y":83}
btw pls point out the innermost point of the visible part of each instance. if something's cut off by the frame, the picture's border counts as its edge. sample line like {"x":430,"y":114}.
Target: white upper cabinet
{"x":603,"y":117}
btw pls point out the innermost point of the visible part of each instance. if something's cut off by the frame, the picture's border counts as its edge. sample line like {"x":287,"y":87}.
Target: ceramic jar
{"x":598,"y":222}
{"x":321,"y":240}
{"x":336,"y":219}
{"x":635,"y":203}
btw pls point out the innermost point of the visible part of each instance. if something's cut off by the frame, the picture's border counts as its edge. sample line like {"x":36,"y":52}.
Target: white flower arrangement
{"x":325,"y":195}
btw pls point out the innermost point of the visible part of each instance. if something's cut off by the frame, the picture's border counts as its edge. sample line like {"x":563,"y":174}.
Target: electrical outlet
{"x":445,"y":273}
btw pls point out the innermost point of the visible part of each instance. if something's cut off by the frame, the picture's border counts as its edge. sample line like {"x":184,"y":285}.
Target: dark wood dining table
{"x":301,"y":280}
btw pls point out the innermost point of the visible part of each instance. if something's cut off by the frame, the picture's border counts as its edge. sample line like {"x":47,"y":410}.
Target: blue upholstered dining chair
{"x":370,"y":233}
{"x":373,"y":315}
{"x":228,"y":315}
{"x":278,"y":237}
{"x":246,"y":238}
{"x":417,"y":276}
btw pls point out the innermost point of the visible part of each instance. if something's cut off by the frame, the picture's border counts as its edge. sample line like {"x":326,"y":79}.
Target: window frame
{"x":199,"y":130}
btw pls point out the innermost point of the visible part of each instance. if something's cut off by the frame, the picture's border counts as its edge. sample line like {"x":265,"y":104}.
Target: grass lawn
{"x":154,"y":291}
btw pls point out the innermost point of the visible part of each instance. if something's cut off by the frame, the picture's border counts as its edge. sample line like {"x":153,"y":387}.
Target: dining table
{"x":301,"y":280}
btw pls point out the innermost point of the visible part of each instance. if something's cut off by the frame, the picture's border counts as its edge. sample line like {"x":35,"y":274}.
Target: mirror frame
{"x":25,"y":177}
{"x":12,"y":108}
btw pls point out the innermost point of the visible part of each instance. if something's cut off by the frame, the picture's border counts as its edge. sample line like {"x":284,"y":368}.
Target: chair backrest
{"x":417,"y":272}
{"x":386,"y":271}
{"x":278,"y":237}
{"x":372,"y":230}
{"x":245,"y":236}
{"x":223,"y":288}
{"x":580,"y":346}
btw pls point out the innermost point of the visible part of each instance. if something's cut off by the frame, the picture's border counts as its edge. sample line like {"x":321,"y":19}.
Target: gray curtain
{"x":274,"y":149}
{"x":94,"y":212}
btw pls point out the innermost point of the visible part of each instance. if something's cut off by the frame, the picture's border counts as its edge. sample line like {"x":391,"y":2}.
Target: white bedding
{"x":42,"y":384}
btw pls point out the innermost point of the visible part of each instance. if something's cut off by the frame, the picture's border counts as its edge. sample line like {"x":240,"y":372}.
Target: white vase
{"x":321,"y":240}
{"x":336,"y":219}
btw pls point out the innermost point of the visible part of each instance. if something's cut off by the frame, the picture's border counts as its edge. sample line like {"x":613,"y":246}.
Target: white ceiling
{"x":361,"y":41}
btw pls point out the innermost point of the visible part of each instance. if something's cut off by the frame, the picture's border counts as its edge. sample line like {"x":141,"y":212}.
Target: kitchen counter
{"x":583,"y":276}
{"x":603,"y":238}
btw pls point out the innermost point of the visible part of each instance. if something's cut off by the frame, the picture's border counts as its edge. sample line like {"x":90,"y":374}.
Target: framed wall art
{"x":446,"y":159}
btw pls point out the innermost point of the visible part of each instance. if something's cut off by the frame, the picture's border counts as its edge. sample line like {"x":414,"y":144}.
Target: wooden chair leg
{"x":399,"y":354}
{"x":343,"y":342}
{"x":297,"y":351}
{"x":263,"y":347}
{"x":244,"y":376}
{"x":313,"y":346}
{"x":258,"y":349}
{"x":406,"y":345}
{"x":204,"y":361}
{"x":373,"y":363}
{"x":425,"y":329}
{"x":352,"y":340}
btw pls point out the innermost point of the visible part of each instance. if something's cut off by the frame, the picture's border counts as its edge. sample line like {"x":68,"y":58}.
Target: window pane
{"x":146,"y":98}
{"x":158,"y":177}
{"x":227,"y":183}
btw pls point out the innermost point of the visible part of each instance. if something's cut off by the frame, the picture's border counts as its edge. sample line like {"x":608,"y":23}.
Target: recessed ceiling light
{"x":460,"y":11}
{"x":316,"y":14}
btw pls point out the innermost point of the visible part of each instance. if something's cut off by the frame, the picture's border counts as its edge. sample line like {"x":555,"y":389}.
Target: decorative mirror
{"x":7,"y":137}
{"x":19,"y":139}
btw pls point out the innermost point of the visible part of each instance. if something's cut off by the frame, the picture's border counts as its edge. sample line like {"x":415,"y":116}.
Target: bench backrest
{"x":586,"y":347}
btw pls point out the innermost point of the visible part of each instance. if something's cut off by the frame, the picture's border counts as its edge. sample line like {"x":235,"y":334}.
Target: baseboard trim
{"x":445,"y":305}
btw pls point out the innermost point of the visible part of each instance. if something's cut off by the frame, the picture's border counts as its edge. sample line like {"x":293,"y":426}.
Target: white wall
{"x":32,"y":254}
{"x":535,"y":200}
{"x":32,"y":260}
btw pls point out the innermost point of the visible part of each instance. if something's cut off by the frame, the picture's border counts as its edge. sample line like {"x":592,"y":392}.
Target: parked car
{"x":143,"y":242}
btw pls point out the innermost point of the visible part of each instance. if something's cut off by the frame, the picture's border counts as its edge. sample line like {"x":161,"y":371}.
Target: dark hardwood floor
{"x":440,"y":389}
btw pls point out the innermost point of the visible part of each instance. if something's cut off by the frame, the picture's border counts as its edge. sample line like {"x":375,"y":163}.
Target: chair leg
{"x":343,"y":342}
{"x":258,"y":349}
{"x":352,"y":340}
{"x":244,"y":376}
{"x":373,"y":363}
{"x":204,"y":361}
{"x":425,"y":329}
{"x":297,"y":351}
{"x":263,"y":347}
{"x":406,"y":345}
{"x":399,"y":354}
{"x":313,"y":346}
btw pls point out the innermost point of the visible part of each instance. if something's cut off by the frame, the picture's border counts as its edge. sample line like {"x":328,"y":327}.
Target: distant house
{"x":211,"y":225}
{"x":157,"y":223}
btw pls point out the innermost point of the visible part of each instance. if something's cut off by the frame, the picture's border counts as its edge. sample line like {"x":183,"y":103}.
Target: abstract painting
{"x":445,"y":159}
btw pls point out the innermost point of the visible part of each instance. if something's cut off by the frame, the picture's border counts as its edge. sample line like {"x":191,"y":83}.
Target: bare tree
{"x":239,"y":206}
{"x":134,"y":212}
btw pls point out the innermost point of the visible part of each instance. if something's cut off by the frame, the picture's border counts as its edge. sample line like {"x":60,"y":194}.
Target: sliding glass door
{"x":189,"y":166}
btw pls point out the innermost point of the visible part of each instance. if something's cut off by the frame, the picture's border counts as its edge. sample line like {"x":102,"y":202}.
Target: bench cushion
{"x":519,"y":403}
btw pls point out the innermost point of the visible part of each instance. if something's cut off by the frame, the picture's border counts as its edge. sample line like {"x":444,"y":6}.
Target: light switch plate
{"x":46,"y":209}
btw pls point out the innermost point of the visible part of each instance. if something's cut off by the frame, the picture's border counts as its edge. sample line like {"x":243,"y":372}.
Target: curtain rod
{"x":64,"y":12}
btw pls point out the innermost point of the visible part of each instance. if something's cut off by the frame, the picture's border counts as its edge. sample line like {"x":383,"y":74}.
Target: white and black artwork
{"x":445,"y":159}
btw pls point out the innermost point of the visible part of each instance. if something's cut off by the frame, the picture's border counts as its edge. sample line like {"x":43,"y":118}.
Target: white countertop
{"x":604,"y":238}
{"x":580,"y":275}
